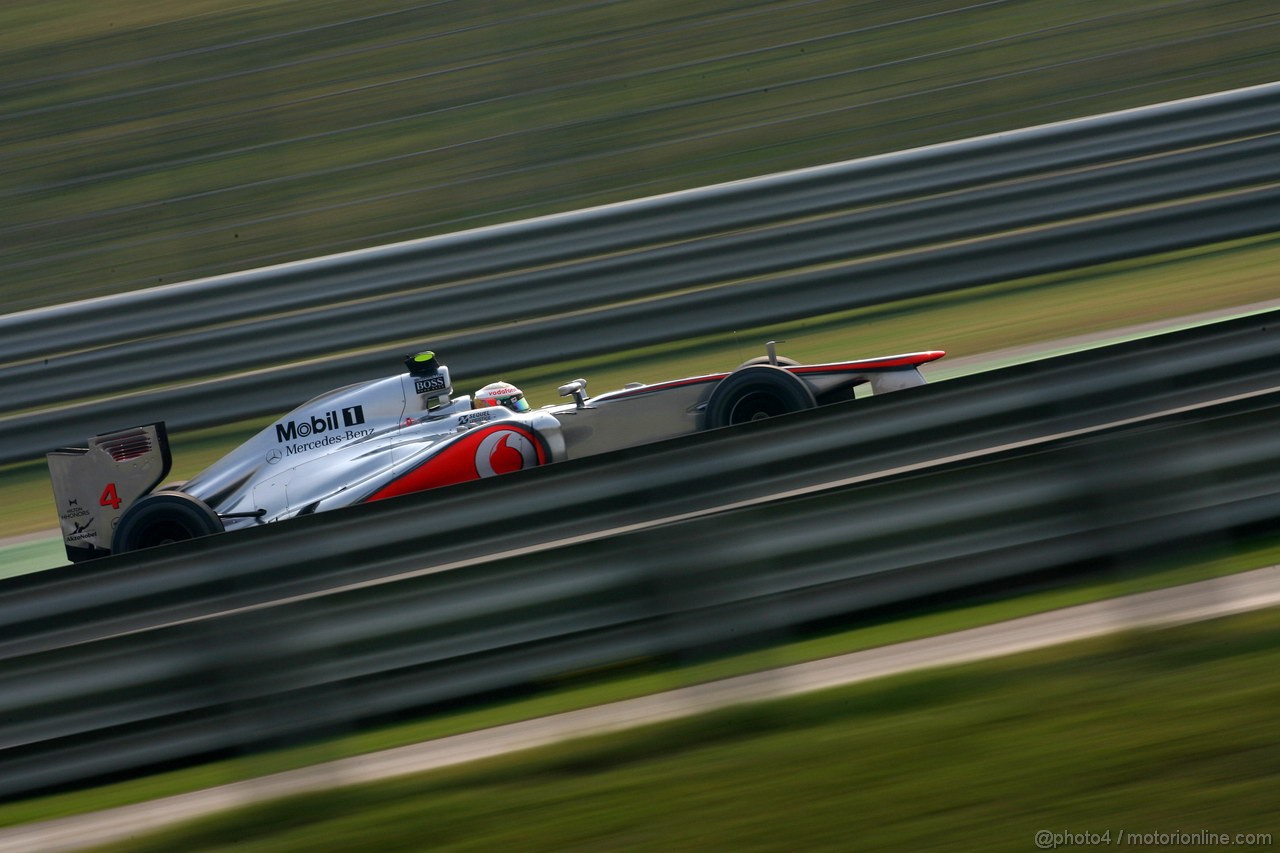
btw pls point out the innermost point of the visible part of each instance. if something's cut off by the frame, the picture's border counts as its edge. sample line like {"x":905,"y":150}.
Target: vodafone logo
{"x":505,"y":451}
{"x":480,"y":453}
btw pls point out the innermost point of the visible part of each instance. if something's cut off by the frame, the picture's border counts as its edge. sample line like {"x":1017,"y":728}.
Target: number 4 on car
{"x":110,"y":497}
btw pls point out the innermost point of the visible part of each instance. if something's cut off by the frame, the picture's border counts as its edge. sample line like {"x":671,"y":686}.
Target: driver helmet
{"x":501,"y":394}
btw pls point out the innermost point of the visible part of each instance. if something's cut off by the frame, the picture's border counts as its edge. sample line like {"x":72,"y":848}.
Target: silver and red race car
{"x":405,"y":433}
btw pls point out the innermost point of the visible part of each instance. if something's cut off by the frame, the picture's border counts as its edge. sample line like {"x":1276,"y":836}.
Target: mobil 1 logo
{"x":328,"y":422}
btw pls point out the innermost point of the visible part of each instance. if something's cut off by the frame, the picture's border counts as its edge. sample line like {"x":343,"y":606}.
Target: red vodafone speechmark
{"x":505,"y":451}
{"x":504,"y":458}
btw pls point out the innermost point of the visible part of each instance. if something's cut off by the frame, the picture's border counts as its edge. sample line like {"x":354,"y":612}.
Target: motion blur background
{"x":148,"y":142}
{"x":152,"y":142}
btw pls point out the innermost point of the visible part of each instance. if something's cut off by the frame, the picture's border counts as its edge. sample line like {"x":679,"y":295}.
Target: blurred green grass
{"x":1159,"y":731}
{"x":150,"y":142}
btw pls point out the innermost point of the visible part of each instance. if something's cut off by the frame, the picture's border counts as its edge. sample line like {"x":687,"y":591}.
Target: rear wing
{"x":94,"y":485}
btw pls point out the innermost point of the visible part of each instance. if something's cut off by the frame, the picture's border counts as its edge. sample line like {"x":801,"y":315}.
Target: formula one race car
{"x":406,"y":433}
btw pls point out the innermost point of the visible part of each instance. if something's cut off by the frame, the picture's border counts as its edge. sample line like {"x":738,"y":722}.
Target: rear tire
{"x":754,"y":393}
{"x":161,"y":518}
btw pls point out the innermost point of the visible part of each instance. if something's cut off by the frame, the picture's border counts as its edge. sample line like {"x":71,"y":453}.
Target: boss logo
{"x":319,"y":424}
{"x":429,"y":384}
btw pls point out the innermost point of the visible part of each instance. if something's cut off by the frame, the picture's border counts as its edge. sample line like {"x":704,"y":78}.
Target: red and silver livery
{"x":409,"y":432}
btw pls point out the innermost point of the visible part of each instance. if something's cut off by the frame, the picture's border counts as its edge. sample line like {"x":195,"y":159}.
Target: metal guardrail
{"x":592,"y":282}
{"x":646,"y":222}
{"x":223,"y":643}
{"x":638,"y":273}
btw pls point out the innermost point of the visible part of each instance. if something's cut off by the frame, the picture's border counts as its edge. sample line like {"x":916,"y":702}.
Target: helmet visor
{"x":519,"y":403}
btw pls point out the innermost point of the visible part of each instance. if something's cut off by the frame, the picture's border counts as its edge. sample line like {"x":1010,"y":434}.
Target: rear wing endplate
{"x":94,"y":485}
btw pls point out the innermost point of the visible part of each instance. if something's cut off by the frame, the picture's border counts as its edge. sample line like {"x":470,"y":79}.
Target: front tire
{"x":757,"y":392}
{"x":783,"y":361}
{"x":163,"y":517}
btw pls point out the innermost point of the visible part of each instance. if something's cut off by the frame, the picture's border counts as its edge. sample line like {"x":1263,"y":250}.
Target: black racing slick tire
{"x":161,"y":518}
{"x":754,"y":393}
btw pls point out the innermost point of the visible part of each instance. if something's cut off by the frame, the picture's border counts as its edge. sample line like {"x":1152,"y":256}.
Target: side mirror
{"x":576,"y":389}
